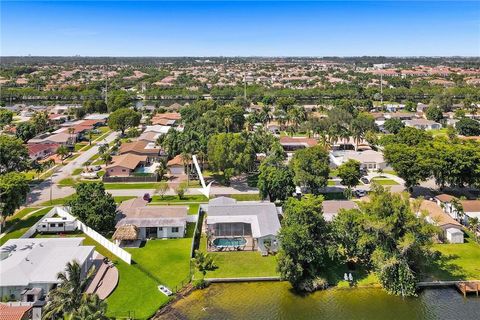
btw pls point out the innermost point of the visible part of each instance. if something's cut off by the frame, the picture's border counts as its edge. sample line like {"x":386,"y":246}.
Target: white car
{"x":89,"y":175}
{"x":360,"y":193}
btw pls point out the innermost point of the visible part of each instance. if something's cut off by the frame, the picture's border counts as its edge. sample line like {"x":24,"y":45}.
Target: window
{"x":175,"y":230}
{"x":52,"y":225}
{"x":123,"y":170}
{"x":60,"y":224}
{"x":160,"y":228}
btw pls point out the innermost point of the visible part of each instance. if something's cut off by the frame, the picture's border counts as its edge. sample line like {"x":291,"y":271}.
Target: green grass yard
{"x":384,"y":182}
{"x":459,"y":261}
{"x":21,"y":226}
{"x":240,"y":264}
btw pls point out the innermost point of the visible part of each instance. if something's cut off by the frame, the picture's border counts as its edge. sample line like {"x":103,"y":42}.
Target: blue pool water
{"x":229,"y":242}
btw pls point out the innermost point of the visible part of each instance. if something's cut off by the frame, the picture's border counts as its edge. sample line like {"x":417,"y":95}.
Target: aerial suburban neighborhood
{"x":230,"y":187}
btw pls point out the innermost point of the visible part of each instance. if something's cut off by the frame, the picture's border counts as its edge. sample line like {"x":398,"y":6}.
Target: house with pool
{"x":233,"y":225}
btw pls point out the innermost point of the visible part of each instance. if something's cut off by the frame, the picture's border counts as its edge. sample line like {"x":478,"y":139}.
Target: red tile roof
{"x":13,"y":312}
{"x":37,"y":147}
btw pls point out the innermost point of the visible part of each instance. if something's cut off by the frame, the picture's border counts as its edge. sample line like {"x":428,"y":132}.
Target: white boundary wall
{"x":107,"y":244}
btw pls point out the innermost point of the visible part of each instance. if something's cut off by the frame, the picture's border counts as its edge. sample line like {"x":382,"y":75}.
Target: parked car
{"x":89,"y":175}
{"x":360,"y":193}
{"x":364,"y":180}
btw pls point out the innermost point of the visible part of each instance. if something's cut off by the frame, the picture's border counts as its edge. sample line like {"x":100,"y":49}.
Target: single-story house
{"x":166,"y":119}
{"x":158,"y":129}
{"x":97,"y":116}
{"x":332,"y":207}
{"x":137,"y":221}
{"x":175,"y":166}
{"x":29,"y":267}
{"x":369,"y":159}
{"x":38,"y":151}
{"x":471,"y":208}
{"x":142,"y":148}
{"x":63,"y":138}
{"x":436,"y":216}
{"x":242,"y":225}
{"x":400,"y":115}
{"x":124,"y":165}
{"x":296,"y":143}
{"x":423,"y":124}
{"x":150,"y":136}
{"x":57,"y":224}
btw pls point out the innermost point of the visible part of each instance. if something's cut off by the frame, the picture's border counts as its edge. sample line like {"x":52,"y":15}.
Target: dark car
{"x":364,"y":180}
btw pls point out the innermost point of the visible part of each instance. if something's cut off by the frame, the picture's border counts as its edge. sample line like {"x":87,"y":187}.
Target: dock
{"x":468,"y":287}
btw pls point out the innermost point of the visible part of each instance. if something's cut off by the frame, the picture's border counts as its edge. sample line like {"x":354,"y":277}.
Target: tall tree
{"x":275,"y":180}
{"x":25,"y":131}
{"x":304,"y":239}
{"x":95,"y":207}
{"x":349,"y":172}
{"x":13,"y":154}
{"x":311,"y":168}
{"x":13,"y":193}
{"x":122,"y":119}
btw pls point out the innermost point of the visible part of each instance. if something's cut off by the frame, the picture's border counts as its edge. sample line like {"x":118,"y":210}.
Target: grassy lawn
{"x":67,"y":182}
{"x":391,"y":172}
{"x":158,"y":262}
{"x":171,"y":198}
{"x":192,"y":207}
{"x":246,"y":197}
{"x":141,"y":185}
{"x":385,"y":182}
{"x":240,"y":264}
{"x":77,"y":171}
{"x":11,"y":220}
{"x":457,"y":261}
{"x":23,"y":225}
{"x":331,"y":183}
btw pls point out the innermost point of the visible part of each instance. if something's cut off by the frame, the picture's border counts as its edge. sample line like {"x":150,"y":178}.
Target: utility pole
{"x":106,"y":87}
{"x":381,"y":89}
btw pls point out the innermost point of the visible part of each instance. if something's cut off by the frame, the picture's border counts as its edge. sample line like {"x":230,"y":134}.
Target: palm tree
{"x":102,"y":148}
{"x":71,"y":131}
{"x":63,"y":152}
{"x":186,"y":163}
{"x":204,"y":262}
{"x":473,"y":225}
{"x":106,"y":157}
{"x":458,"y":207}
{"x":227,"y":121}
{"x":66,"y":298}
{"x":161,"y":169}
{"x":92,"y":308}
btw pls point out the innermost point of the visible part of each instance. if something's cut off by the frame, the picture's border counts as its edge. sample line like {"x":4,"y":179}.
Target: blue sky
{"x":339,"y":28}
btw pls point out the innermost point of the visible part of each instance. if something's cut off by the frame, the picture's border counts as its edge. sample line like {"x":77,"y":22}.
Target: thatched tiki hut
{"x":125,"y":234}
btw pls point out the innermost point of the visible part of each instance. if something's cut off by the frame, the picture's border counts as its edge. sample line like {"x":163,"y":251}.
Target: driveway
{"x":48,"y":189}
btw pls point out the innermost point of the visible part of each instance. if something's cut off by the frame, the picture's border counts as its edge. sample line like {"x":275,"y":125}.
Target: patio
{"x":105,"y":279}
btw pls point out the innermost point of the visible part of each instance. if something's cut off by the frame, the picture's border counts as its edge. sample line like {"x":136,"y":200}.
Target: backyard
{"x":240,"y":264}
{"x":457,"y":261}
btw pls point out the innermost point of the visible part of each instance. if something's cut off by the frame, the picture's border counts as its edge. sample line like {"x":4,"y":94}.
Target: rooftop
{"x":25,"y":261}
{"x":262,"y":216}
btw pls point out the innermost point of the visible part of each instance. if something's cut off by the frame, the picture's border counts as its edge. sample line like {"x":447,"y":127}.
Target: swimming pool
{"x":229,"y":242}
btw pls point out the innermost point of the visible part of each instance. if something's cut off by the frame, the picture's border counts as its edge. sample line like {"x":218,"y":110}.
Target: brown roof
{"x":162,"y":121}
{"x":437,"y":214}
{"x":470,"y":205}
{"x":138,"y":147}
{"x":8,"y":312}
{"x":444,"y":197}
{"x":126,"y":232}
{"x":298,"y":140}
{"x":91,"y":122}
{"x":177,"y":161}
{"x":168,"y":115}
{"x":130,"y":161}
{"x":37,"y":147}
{"x":131,"y":205}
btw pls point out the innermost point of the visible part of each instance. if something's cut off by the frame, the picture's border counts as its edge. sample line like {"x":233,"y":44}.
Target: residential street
{"x":48,"y":189}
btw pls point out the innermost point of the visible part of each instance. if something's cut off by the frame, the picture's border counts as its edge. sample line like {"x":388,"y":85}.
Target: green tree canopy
{"x":122,"y":119}
{"x":93,"y":206}
{"x":13,"y":192}
{"x":13,"y":154}
{"x":303,"y":237}
{"x":25,"y":131}
{"x":311,"y":168}
{"x":349,"y":172}
{"x":275,"y":180}
{"x":468,"y":127}
{"x":393,"y":125}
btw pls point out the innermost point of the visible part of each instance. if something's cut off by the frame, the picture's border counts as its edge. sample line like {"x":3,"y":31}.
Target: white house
{"x":369,"y":159}
{"x":29,"y":267}
{"x":243,"y":225}
{"x":423,"y":124}
{"x":57,"y":224}
{"x":149,"y":221}
{"x":437,"y":217}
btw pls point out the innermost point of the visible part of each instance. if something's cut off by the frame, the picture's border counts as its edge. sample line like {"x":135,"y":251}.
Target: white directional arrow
{"x":205,"y":190}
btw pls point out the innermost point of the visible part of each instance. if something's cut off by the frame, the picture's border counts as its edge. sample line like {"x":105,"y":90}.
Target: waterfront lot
{"x":240,"y":264}
{"x":457,"y":261}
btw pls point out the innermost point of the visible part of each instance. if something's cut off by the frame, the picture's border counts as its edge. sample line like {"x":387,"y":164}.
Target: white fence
{"x":107,"y":244}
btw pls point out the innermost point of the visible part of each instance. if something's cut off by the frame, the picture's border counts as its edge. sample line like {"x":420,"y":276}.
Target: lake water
{"x":274,"y":300}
